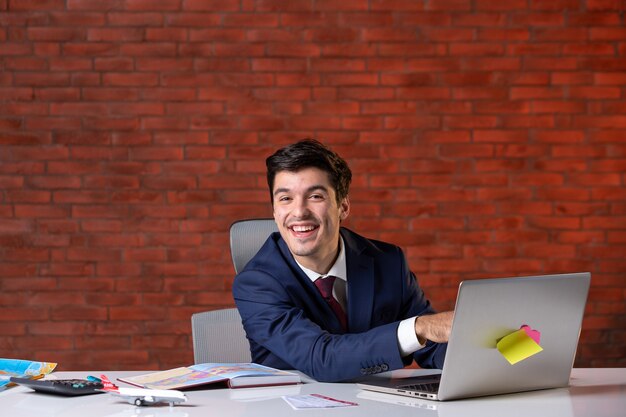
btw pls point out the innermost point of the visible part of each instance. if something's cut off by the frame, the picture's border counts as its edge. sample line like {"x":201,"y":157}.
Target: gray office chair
{"x":218,"y":336}
{"x":247,"y":237}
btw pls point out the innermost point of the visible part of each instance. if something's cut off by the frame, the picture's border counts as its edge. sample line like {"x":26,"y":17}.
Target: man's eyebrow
{"x":319,"y":187}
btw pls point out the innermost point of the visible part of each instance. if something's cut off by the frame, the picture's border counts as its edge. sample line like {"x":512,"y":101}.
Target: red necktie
{"x":325,"y":286}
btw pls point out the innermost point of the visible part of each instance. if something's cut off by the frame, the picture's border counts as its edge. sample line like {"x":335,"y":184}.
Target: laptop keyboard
{"x":431,"y":387}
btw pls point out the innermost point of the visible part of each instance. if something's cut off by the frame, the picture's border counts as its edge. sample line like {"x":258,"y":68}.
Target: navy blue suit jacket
{"x":290,"y":326}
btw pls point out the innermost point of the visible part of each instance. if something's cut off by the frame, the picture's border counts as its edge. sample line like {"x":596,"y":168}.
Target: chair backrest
{"x":247,"y":237}
{"x":218,"y":336}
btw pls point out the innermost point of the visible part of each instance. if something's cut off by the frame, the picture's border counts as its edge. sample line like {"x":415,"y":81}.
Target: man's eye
{"x":284,"y":198}
{"x":317,"y":197}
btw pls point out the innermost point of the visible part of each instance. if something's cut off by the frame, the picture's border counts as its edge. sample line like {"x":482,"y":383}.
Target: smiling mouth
{"x":303,"y":230}
{"x":307,"y":228}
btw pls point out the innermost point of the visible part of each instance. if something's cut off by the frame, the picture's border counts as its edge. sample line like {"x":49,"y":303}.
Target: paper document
{"x":307,"y":401}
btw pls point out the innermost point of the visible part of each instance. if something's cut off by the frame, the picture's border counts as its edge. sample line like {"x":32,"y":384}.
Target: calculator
{"x":66,"y":387}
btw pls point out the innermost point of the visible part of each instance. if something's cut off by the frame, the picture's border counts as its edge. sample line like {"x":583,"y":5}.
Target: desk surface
{"x":592,"y":392}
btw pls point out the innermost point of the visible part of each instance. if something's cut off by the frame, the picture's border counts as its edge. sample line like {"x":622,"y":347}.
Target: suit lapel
{"x":360,"y":270}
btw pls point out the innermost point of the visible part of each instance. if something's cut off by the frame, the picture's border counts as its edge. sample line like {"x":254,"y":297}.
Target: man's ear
{"x":344,"y":208}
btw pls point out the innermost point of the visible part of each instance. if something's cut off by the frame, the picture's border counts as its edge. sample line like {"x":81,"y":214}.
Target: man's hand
{"x":434,"y":327}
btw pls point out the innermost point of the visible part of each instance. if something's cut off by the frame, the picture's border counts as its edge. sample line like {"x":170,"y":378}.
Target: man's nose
{"x":301,"y":207}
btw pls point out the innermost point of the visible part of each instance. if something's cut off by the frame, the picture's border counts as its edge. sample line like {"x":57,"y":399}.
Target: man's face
{"x":308,"y":216}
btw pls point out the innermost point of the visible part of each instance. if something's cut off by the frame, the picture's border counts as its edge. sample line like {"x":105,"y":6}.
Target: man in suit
{"x":290,"y":323}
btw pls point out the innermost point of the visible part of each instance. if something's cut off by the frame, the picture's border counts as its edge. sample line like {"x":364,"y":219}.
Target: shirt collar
{"x":337,"y":270}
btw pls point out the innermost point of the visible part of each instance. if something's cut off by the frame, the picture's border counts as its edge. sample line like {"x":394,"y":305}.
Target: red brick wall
{"x":487,"y":138}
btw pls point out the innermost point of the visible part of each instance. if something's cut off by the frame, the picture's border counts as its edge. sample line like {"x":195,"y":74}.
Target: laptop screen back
{"x":489,"y":309}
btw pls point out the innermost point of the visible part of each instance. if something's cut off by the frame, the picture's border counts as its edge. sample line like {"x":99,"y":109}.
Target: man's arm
{"x":282,"y":317}
{"x":272,"y":321}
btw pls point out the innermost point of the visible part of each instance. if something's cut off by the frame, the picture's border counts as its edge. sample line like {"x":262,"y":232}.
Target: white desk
{"x":592,"y":392}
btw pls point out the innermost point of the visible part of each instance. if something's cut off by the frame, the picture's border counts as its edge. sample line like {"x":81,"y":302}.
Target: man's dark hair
{"x":310,"y":153}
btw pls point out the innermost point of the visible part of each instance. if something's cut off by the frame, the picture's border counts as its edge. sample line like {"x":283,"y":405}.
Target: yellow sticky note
{"x":518,"y":346}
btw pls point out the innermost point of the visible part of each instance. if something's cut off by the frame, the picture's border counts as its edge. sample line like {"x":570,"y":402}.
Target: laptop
{"x":486,"y":311}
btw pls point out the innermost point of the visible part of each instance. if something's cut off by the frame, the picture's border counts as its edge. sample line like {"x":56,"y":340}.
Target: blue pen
{"x":93,"y":379}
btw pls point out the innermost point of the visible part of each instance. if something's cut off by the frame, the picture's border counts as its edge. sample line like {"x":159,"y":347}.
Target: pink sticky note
{"x":532,"y":333}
